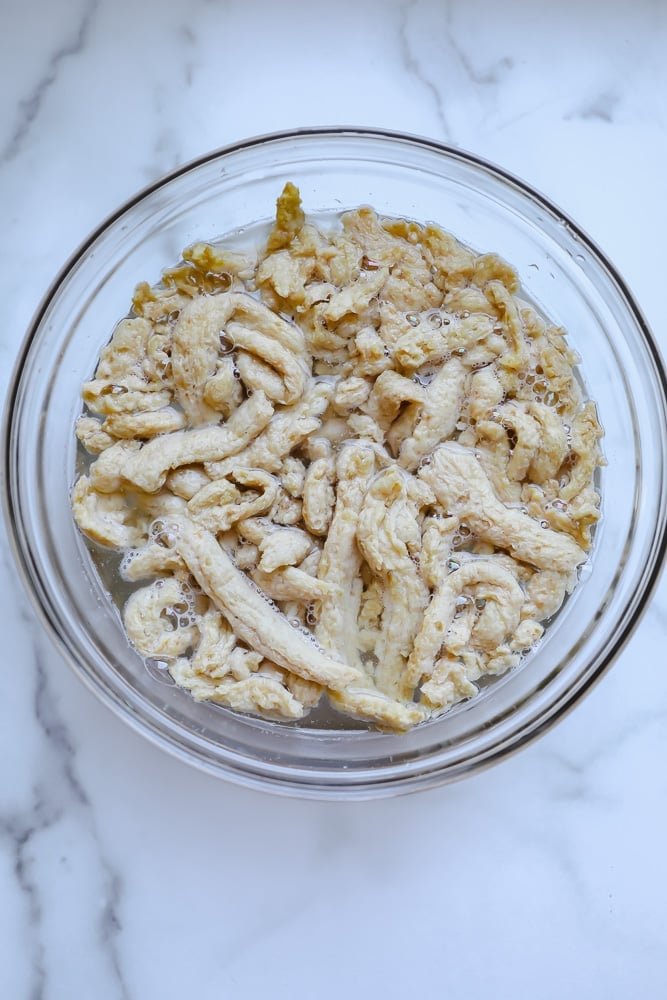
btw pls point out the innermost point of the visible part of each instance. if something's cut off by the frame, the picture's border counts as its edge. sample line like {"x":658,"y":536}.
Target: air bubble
{"x":222,"y":278}
{"x":435,"y":319}
{"x":453,"y":565}
{"x":544,"y":524}
{"x":368,"y":264}
{"x":159,"y":670}
{"x":412,"y":318}
{"x":424,"y":378}
{"x":227,"y":343}
{"x":559,"y":505}
{"x":127,"y":561}
{"x":480,"y":603}
{"x":462,"y":601}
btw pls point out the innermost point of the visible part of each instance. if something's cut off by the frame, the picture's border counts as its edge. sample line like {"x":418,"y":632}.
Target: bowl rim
{"x":287,"y":785}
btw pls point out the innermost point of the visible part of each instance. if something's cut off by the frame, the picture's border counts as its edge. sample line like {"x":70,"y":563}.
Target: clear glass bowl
{"x":561,"y":269}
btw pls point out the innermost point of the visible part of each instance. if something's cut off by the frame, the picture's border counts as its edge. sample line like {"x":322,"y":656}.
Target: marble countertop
{"x":126,"y":874}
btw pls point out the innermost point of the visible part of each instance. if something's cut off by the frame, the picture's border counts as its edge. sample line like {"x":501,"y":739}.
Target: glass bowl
{"x":400,"y":175}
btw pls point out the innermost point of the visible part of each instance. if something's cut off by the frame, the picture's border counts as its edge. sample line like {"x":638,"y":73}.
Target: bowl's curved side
{"x":64,"y":336}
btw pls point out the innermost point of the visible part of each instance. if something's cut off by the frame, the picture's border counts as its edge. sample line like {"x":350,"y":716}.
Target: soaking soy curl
{"x":354,"y":467}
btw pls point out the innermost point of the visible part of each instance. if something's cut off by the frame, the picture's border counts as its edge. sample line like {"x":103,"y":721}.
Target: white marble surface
{"x":124,"y":874}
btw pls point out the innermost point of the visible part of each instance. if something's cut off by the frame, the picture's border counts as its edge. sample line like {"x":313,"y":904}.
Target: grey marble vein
{"x":601,"y":108}
{"x":111,"y":925}
{"x":190,"y":42}
{"x":59,"y":739}
{"x":413,"y":66}
{"x":253,"y":936}
{"x":484,"y":78}
{"x":612,"y":741}
{"x":59,"y":794}
{"x":18,"y":835}
{"x":165,"y":149}
{"x":31,"y":105}
{"x":527,"y":112}
{"x":569,"y":780}
{"x":55,"y":729}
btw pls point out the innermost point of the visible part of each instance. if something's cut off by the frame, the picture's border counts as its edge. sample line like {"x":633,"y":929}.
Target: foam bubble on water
{"x":127,"y":561}
{"x":311,"y":616}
